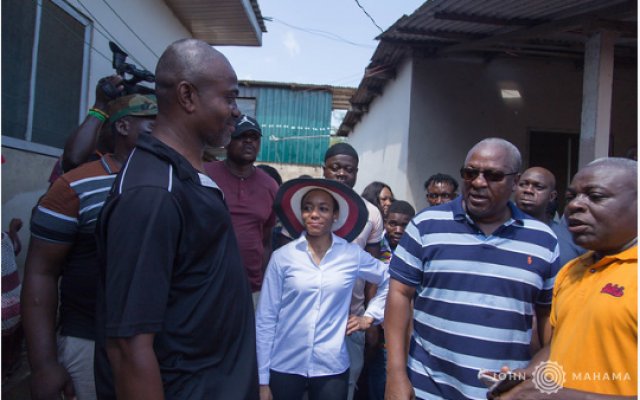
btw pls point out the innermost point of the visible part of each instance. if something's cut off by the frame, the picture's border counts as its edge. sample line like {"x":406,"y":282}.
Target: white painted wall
{"x":151,"y":20}
{"x":25,"y":174}
{"x":453,"y":104}
{"x":381,"y":137}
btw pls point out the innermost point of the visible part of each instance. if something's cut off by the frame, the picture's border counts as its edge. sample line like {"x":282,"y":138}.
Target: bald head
{"x":189,"y":60}
{"x":196,"y":89}
{"x":536,"y":189}
{"x":514,"y":159}
{"x":546,"y":175}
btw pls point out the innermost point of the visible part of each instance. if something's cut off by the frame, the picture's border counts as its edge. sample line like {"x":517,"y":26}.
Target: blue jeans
{"x":355,"y":347}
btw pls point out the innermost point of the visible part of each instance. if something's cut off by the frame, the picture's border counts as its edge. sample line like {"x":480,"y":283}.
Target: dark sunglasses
{"x":469,"y":174}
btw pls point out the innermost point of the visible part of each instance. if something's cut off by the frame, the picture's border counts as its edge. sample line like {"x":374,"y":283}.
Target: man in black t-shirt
{"x":175,"y":307}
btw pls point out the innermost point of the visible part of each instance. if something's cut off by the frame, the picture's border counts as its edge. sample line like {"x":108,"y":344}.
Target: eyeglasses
{"x":491,"y":175}
{"x":444,"y":196}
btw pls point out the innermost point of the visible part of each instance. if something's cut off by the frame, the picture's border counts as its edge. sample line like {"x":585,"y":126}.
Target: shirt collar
{"x":630,"y":254}
{"x":460,"y":214}
{"x":109,"y":165}
{"x":385,"y":241}
{"x":181,"y":166}
{"x":301,"y":242}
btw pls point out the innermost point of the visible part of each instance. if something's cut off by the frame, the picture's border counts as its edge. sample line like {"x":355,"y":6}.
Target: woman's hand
{"x":355,"y":324}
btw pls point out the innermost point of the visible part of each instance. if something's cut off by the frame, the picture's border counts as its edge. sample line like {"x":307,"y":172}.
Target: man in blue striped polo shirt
{"x":477,"y":270}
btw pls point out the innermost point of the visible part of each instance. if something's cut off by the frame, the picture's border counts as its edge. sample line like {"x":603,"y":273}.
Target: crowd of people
{"x":152,"y":273}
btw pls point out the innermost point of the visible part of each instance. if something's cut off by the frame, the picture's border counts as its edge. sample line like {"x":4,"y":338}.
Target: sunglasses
{"x":491,"y":175}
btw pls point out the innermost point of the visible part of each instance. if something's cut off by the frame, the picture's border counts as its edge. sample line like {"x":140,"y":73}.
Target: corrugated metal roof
{"x":340,"y":94}
{"x":221,"y":22}
{"x":494,"y":28}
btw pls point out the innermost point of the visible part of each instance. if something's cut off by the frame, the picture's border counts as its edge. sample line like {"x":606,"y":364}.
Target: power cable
{"x":370,"y":17}
{"x":130,"y":29}
{"x":321,"y":33}
{"x":110,"y":37}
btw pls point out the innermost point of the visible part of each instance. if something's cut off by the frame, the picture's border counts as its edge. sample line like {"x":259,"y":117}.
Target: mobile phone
{"x":508,"y":381}
{"x":488,"y":377}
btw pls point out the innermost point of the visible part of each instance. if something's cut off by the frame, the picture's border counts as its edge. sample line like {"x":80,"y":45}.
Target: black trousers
{"x":292,"y":387}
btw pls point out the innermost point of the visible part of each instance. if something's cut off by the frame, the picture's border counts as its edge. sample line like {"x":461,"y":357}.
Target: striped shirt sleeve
{"x":406,"y":264}
{"x":55,"y":218}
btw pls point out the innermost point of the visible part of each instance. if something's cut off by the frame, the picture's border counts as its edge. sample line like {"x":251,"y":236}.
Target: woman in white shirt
{"x":302,"y":314}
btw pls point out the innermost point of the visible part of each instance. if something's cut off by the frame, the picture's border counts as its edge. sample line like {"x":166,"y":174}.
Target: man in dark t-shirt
{"x":174,"y":304}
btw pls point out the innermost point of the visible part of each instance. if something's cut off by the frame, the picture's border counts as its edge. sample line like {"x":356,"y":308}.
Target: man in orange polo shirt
{"x":593,"y":351}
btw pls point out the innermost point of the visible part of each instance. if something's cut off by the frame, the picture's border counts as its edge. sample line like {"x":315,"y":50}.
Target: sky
{"x":324,"y":42}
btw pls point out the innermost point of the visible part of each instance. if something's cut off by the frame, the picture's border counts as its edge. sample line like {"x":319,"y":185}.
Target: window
{"x":44,"y":71}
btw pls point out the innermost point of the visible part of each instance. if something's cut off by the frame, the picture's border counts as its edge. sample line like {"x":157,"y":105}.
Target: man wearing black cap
{"x":249,"y":193}
{"x":63,"y":247}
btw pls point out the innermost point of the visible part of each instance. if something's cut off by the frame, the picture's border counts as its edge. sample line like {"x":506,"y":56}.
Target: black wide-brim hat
{"x":352,"y":214}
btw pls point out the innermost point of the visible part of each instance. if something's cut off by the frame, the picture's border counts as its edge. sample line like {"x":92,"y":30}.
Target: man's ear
{"x":122,"y":126}
{"x":187,"y":96}
{"x":516,"y":179}
{"x":553,"y":195}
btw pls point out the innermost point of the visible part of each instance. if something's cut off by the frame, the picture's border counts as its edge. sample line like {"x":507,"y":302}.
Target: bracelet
{"x":101,"y":115}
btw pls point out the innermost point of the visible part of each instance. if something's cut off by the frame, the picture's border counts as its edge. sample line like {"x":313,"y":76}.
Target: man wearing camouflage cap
{"x":63,"y":247}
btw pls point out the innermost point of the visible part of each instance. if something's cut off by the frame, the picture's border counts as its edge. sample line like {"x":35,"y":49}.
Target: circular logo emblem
{"x":548,"y":377}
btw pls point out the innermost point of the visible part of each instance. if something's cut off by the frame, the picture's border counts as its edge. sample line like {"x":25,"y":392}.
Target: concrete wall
{"x":151,"y":20}
{"x":25,"y":174}
{"x":381,"y":137}
{"x":453,"y":104}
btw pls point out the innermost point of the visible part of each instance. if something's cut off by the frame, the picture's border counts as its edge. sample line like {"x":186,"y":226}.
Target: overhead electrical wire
{"x":130,"y":29}
{"x":109,"y":36}
{"x":318,"y":32}
{"x":370,"y":17}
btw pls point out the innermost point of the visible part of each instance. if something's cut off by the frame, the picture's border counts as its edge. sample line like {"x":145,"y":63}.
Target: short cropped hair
{"x":441,"y":178}
{"x":402,"y":207}
{"x":626,"y":164}
{"x":341,"y":149}
{"x":515,"y":158}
